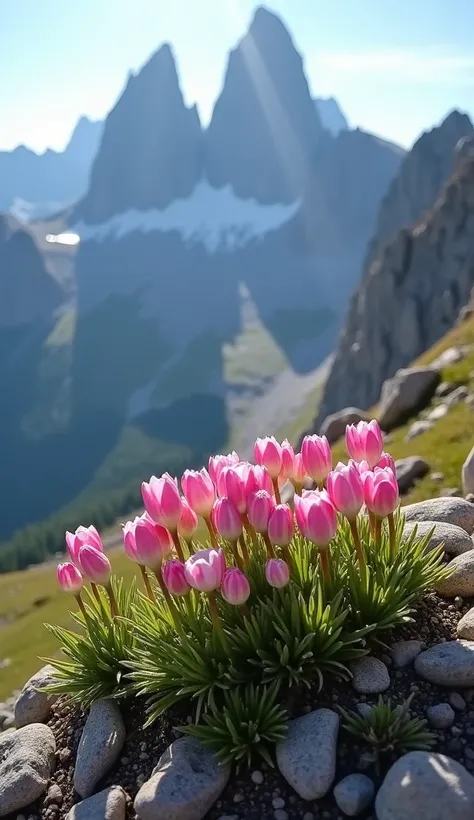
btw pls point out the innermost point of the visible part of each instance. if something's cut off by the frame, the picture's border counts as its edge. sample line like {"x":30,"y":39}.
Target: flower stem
{"x":277,"y":490}
{"x":96,"y":593}
{"x":178,"y":547}
{"x":244,"y":548}
{"x":392,"y":534}
{"x":80,"y":604}
{"x":236,"y":554}
{"x":216,"y":619}
{"x":212,"y":532}
{"x":286,"y":554}
{"x":373,"y":523}
{"x":269,"y":546}
{"x":113,"y":600}
{"x":378,"y":532}
{"x":324,"y":558}
{"x":357,"y":543}
{"x":147,"y":584}
{"x":190,"y":546}
{"x":169,"y":601}
{"x":245,"y":611}
{"x":250,"y":529}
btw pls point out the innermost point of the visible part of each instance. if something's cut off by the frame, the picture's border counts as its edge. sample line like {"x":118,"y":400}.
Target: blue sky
{"x":396,"y":66}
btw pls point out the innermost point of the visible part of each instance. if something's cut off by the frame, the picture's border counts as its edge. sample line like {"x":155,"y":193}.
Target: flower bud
{"x":277,"y":572}
{"x":69,"y":578}
{"x":345,"y":489}
{"x":188,"y":523}
{"x":94,"y":565}
{"x":316,"y":517}
{"x":217,"y":464}
{"x":381,"y":491}
{"x":235,"y":588}
{"x":174,"y":576}
{"x":280,"y":525}
{"x":364,"y":441}
{"x":162,"y":500}
{"x":317,"y":457}
{"x":259,"y":508}
{"x":268,"y":453}
{"x":199,"y":491}
{"x":147,"y":543}
{"x":226,"y":519}
{"x":83,"y":535}
{"x":204,"y":570}
{"x":288,"y":459}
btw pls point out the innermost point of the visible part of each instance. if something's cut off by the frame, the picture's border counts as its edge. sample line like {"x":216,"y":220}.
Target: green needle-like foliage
{"x":248,"y":724}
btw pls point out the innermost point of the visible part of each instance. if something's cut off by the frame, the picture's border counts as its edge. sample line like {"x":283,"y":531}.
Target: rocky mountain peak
{"x":150,"y":153}
{"x":265,"y":127}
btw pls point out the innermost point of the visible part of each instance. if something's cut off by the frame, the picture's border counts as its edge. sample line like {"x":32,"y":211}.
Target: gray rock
{"x":364,"y":709}
{"x":454,"y":539}
{"x":334,"y":426}
{"x":406,"y":392}
{"x":452,"y":492}
{"x":409,"y":470}
{"x":354,"y":793}
{"x":425,"y":784}
{"x":33,"y":706}
{"x":468,"y":474}
{"x":307,"y":756}
{"x":465,"y":627}
{"x":448,"y":664}
{"x":257,"y":777}
{"x":437,"y":412}
{"x":440,"y":716}
{"x":444,"y":388}
{"x":369,"y":676}
{"x":457,"y":701}
{"x":101,"y":743}
{"x":109,"y":804}
{"x":6,"y":717}
{"x":185,"y":783}
{"x":461,"y":580}
{"x":26,"y":764}
{"x":405,"y":652}
{"x":451,"y":355}
{"x":418,"y":428}
{"x":456,"y":511}
{"x":457,"y":395}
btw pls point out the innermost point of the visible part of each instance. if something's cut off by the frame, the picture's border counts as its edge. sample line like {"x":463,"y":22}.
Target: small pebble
{"x":281,"y":814}
{"x":278,"y":803}
{"x":257,"y":777}
{"x":238,"y":797}
{"x":457,"y":701}
{"x":308,"y":816}
{"x":456,"y":731}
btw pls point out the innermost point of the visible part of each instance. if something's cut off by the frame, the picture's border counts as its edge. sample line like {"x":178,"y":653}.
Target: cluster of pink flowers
{"x":237,"y":500}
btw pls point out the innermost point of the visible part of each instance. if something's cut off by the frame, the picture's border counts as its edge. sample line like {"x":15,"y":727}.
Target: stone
{"x":457,"y":395}
{"x":457,"y":701}
{"x":33,"y":706}
{"x":448,"y":664}
{"x":405,"y":393}
{"x":409,"y":470}
{"x":334,"y":426}
{"x":465,"y":627}
{"x":364,"y":709}
{"x":101,"y":742}
{"x":27,"y":759}
{"x":451,"y":355}
{"x":6,"y":719}
{"x":109,"y":804}
{"x":455,"y":540}
{"x":185,"y":783}
{"x":369,"y":676}
{"x":425,"y":784}
{"x":54,"y":795}
{"x":257,"y":777}
{"x":437,"y":477}
{"x":354,"y":793}
{"x":437,"y":412}
{"x":461,"y":580}
{"x":405,"y":652}
{"x":418,"y":428}
{"x":452,"y":492}
{"x":456,"y":511}
{"x":440,"y":716}
{"x":444,"y":388}
{"x":468,"y":473}
{"x":307,"y":756}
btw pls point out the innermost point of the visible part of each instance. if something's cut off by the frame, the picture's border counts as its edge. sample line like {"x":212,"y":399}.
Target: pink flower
{"x":232,"y":484}
{"x":188,"y":523}
{"x":280,"y":525}
{"x":299,"y":474}
{"x":162,"y":500}
{"x":174,"y":576}
{"x":235,"y":588}
{"x":226,"y":519}
{"x":277,"y":572}
{"x":287,"y":458}
{"x":381,"y":491}
{"x":317,"y":457}
{"x":364,"y":441}
{"x":362,"y":466}
{"x":345,"y":489}
{"x":258,"y":479}
{"x":94,"y":565}
{"x":268,"y":453}
{"x":69,"y":578}
{"x":217,"y":464}
{"x":82,"y":536}
{"x":147,"y":543}
{"x":386,"y":460}
{"x":316,"y":517}
{"x":259,"y":507}
{"x":204,"y":570}
{"x":199,"y":491}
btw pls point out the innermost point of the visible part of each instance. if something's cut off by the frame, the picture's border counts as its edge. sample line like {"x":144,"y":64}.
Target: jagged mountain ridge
{"x":410,"y":294}
{"x":331,"y":115}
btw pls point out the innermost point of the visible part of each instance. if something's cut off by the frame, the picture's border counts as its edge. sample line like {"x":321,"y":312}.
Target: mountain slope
{"x":331,"y":115}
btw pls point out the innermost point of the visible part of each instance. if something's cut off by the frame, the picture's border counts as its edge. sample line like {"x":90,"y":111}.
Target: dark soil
{"x":272,"y":798}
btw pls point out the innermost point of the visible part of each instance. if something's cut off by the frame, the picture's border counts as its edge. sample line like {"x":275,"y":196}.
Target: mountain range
{"x":198,"y":281}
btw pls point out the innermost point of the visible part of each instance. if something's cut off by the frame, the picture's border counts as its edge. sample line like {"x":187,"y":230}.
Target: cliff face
{"x":410,"y":295}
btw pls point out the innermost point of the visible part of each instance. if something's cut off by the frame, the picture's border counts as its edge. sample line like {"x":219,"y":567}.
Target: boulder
{"x":184,"y":784}
{"x":461,"y":580}
{"x":354,"y":793}
{"x":409,"y":470}
{"x":109,"y":804}
{"x":468,"y":474}
{"x":101,"y":742}
{"x":454,"y":539}
{"x":369,"y":676}
{"x":307,"y":756}
{"x":425,"y":784}
{"x":465,"y":627}
{"x":334,"y":426}
{"x":32,"y":705}
{"x":408,"y":391}
{"x":26,"y":763}
{"x":448,"y":664}
{"x":447,"y":510}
